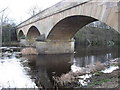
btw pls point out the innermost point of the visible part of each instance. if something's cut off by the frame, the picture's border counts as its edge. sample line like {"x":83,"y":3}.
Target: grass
{"x":117,"y":64}
{"x":98,"y":73}
{"x":100,"y":82}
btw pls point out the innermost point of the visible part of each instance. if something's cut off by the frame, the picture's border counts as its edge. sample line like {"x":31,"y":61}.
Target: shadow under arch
{"x":32,"y":33}
{"x":21,"y":34}
{"x":66,"y":28}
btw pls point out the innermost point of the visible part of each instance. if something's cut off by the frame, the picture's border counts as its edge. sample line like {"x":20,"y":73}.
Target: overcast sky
{"x":18,"y":9}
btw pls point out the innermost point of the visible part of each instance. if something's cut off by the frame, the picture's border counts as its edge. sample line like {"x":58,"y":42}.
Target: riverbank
{"x":105,"y":80}
{"x":97,"y":36}
{"x":98,"y":75}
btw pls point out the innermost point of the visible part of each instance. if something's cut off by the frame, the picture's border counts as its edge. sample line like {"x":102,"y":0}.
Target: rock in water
{"x":29,"y":51}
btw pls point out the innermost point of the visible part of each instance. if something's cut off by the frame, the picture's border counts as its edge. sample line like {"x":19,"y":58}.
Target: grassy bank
{"x":108,"y":80}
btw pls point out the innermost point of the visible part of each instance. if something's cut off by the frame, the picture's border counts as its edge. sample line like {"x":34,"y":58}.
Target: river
{"x":37,"y":71}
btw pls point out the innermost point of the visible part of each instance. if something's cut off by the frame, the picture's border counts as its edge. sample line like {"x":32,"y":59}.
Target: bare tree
{"x":7,"y":28}
{"x":99,"y":24}
{"x":2,"y":19}
{"x":34,"y":10}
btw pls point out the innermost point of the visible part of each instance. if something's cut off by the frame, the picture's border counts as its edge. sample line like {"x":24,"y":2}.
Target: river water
{"x":36,"y":71}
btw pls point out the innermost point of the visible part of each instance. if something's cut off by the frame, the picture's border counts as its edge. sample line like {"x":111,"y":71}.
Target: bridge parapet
{"x":61,"y":6}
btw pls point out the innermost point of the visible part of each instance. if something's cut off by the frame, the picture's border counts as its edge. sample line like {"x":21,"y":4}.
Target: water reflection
{"x":86,"y":56}
{"x":43,"y":67}
{"x":38,"y":70}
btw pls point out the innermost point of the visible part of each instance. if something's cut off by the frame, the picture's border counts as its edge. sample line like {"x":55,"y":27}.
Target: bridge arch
{"x":63,"y":20}
{"x":32,"y":33}
{"x":66,"y":28}
{"x":82,"y":15}
{"x":21,"y":34}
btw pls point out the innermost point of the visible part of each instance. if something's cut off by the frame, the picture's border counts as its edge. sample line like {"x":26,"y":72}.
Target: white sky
{"x":18,"y":9}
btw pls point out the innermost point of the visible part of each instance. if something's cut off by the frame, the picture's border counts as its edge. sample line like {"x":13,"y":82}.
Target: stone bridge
{"x":55,"y":26}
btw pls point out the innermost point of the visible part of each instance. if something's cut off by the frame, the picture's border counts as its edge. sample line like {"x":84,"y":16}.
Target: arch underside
{"x":20,"y":34}
{"x":66,"y":28}
{"x":33,"y":33}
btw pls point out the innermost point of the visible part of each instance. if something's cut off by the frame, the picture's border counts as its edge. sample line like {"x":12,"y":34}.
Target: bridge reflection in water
{"x":43,"y":67}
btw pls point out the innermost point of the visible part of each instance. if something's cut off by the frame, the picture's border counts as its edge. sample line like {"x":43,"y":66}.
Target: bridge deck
{"x":57,"y":8}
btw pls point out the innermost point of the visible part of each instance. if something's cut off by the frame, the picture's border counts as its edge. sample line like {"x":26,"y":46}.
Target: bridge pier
{"x":27,"y":43}
{"x":55,"y":47}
